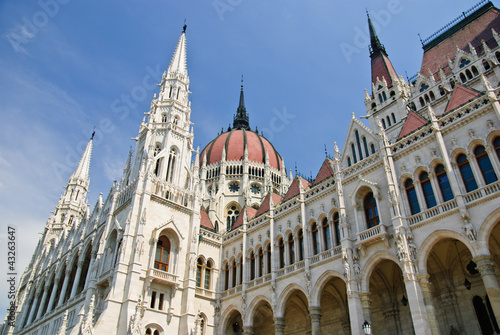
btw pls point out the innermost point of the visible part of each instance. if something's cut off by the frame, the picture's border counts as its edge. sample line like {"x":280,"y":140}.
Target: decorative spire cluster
{"x":241,"y":117}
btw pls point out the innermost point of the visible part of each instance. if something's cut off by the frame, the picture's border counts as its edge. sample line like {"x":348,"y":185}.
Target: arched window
{"x":199,"y":270}
{"x":380,"y":98}
{"x":452,"y":83}
{"x":430,"y":199}
{"x":484,"y":162}
{"x":412,"y":197}
{"x":336,"y":225}
{"x":158,"y":166}
{"x":444,"y":183}
{"x":269,"y":263}
{"x":349,"y":161}
{"x":301,"y":245}
{"x":291,"y":248}
{"x":367,"y":153}
{"x":426,"y":97}
{"x":148,"y":331}
{"x":252,"y":265}
{"x":281,"y":245}
{"x":354,"y":153}
{"x":327,"y":241}
{"x":383,"y":123}
{"x":462,"y":78}
{"x":235,"y":271}
{"x":384,"y":96}
{"x":474,"y":71}
{"x":371,"y":210}
{"x":393,"y":117}
{"x":171,"y":165}
{"x":156,"y":332}
{"x":232,"y":214}
{"x":433,"y":97}
{"x":162,"y":255}
{"x":175,"y":121}
{"x":388,"y":121}
{"x":164,"y":118}
{"x":466,"y":172}
{"x":441,"y":90}
{"x":359,"y":144}
{"x":468,"y":73}
{"x":496,"y":144}
{"x":315,"y":238}
{"x":261,"y":262}
{"x":240,"y":262}
{"x":208,"y":275}
{"x":486,"y":65}
{"x":372,"y":146}
{"x":226,"y":277}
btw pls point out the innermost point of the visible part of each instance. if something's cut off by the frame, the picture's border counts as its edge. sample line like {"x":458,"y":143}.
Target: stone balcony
{"x":162,"y":277}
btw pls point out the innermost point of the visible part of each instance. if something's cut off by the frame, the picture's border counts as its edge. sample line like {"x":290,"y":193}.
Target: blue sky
{"x":69,"y":65}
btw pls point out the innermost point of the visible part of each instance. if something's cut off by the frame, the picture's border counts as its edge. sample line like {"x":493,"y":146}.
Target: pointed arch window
{"x":383,"y":124}
{"x":176,"y":120}
{"x":171,"y":165}
{"x":367,"y":153}
{"x":359,"y":144}
{"x":162,"y":256}
{"x":301,"y":245}
{"x":353,"y":149}
{"x":372,"y":146}
{"x":226,"y":277}
{"x":208,"y":275}
{"x":315,"y":238}
{"x":232,"y":214}
{"x":412,"y":197}
{"x":444,"y":183}
{"x":291,"y":248}
{"x":425,"y":182}
{"x":486,"y":65}
{"x":496,"y":144}
{"x":349,"y":161}
{"x":371,"y":211}
{"x":261,"y":262}
{"x":485,"y":165}
{"x":252,"y":265}
{"x":164,"y":117}
{"x":240,"y":262}
{"x":336,"y":225}
{"x":327,"y":240}
{"x":199,"y":271}
{"x":269,"y":258}
{"x":466,"y":173}
{"x":394,"y":116}
{"x":235,"y":271}
{"x":281,"y":245}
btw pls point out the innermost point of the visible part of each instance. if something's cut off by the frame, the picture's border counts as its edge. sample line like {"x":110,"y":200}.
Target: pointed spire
{"x":241,"y":117}
{"x":375,"y":46}
{"x":81,"y":173}
{"x":178,"y":62}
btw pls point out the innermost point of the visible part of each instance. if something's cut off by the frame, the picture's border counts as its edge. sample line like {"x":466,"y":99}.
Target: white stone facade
{"x":402,"y":231}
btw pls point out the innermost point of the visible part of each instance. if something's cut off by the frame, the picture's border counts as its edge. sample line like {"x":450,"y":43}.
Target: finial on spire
{"x":184,"y":27}
{"x":375,"y":46}
{"x":241,"y":118}
{"x":242,"y":81}
{"x":326,"y":151}
{"x":93,"y":133}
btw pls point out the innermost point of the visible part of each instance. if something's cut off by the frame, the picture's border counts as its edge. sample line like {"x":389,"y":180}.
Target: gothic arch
{"x":320,"y":284}
{"x":429,"y":242}
{"x":485,"y":230}
{"x":285,"y":294}
{"x":252,"y":308}
{"x":226,"y":316}
{"x":371,"y":264}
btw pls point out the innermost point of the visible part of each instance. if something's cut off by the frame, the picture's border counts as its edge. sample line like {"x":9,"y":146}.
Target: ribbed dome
{"x":234,"y":142}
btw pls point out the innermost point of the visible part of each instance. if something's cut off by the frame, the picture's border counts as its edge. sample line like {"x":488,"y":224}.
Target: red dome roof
{"x":235,"y":141}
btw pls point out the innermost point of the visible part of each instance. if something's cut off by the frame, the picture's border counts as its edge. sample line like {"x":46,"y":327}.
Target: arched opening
{"x":85,"y":270}
{"x":232,"y":212}
{"x":371,"y":211}
{"x":263,"y":319}
{"x":208,"y":275}
{"x":444,"y":183}
{"x":234,"y":324}
{"x":199,"y":271}
{"x":390,"y":311}
{"x":162,"y":255}
{"x":171,"y":165}
{"x":336,"y":225}
{"x":291,"y":249}
{"x":334,"y":308}
{"x":412,"y":197}
{"x":466,"y":173}
{"x":301,"y":244}
{"x":483,"y":160}
{"x":425,"y":182}
{"x":315,"y":238}
{"x":297,"y":314}
{"x":486,"y":65}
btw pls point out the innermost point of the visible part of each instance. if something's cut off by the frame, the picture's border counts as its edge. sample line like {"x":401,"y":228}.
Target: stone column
{"x":315,"y":314}
{"x":33,"y":307}
{"x":89,"y":271}
{"x":417,"y":306}
{"x":366,"y":305}
{"x":279,"y":326}
{"x":53,"y":294}
{"x":64,"y":287}
{"x":359,"y":311}
{"x":425,"y":286}
{"x":77,"y":279}
{"x":486,"y":268}
{"x":42,"y":302}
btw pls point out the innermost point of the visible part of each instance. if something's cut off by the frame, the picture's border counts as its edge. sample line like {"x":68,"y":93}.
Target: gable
{"x":294,"y":188}
{"x":325,"y":171}
{"x":363,"y":131}
{"x":460,"y":96}
{"x":205,"y":220}
{"x":413,"y":122}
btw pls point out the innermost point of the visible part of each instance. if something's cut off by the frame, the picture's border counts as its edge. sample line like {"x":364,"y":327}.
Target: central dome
{"x":234,"y":142}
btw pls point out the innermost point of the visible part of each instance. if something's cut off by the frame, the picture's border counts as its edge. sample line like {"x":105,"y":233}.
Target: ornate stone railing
{"x":487,"y":190}
{"x":432,"y":212}
{"x":373,"y":235}
{"x":162,"y":277}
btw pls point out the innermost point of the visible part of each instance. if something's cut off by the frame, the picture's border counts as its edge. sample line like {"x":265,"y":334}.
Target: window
{"x":269,"y":258}
{"x":261,"y":262}
{"x":252,"y":266}
{"x":423,"y":87}
{"x":371,"y":210}
{"x":486,"y":65}
{"x":291,"y":248}
{"x":466,"y":172}
{"x":412,"y":197}
{"x":226,"y":277}
{"x":468,"y":73}
{"x":153,"y":299}
{"x":462,"y":78}
{"x":235,"y":271}
{"x":485,"y":165}
{"x":430,"y":199}
{"x":388,"y":121}
{"x":315,"y":238}
{"x":383,"y":124}
{"x":171,"y":165}
{"x":240,"y":262}
{"x":354,"y":153}
{"x":255,"y":189}
{"x":281,"y":244}
{"x":359,"y":144}
{"x":394,"y":116}
{"x":366,"y":147}
{"x":208,"y":274}
{"x":372,"y":147}
{"x":158,"y":166}
{"x":464,"y":62}
{"x":232,"y":214}
{"x":336,"y":225}
{"x":441,"y":90}
{"x":160,"y":301}
{"x":474,"y":71}
{"x":327,"y":241}
{"x":349,"y":161}
{"x":176,"y":120}
{"x":496,"y":144}
{"x":164,"y":118}
{"x":162,"y":253}
{"x":444,"y":183}
{"x":199,"y":270}
{"x":234,"y":187}
{"x":301,"y":245}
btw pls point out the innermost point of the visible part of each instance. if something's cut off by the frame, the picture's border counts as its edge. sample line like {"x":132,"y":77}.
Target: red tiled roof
{"x":205,"y":220}
{"x":294,"y":189}
{"x":325,"y":171}
{"x":250,"y":215}
{"x":477,"y":30}
{"x":266,"y":204}
{"x":251,"y":212}
{"x":412,"y":123}
{"x":382,"y":67}
{"x":460,"y":96}
{"x":234,"y":142}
